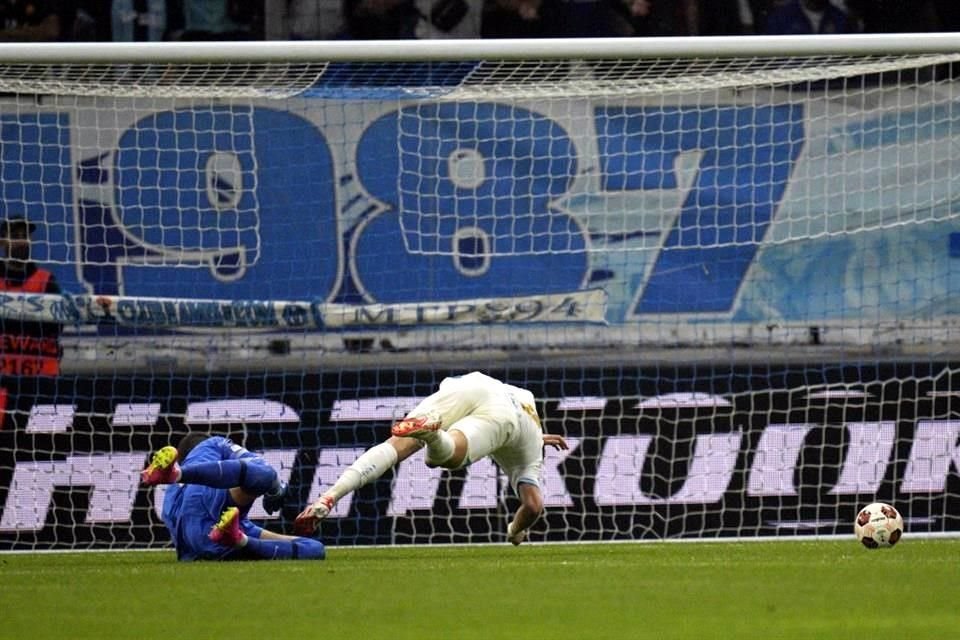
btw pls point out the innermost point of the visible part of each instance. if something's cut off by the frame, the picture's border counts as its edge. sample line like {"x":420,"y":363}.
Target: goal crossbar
{"x":506,"y":49}
{"x":474,"y":69}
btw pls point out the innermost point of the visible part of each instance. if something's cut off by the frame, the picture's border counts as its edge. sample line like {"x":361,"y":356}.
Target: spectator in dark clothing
{"x":806,"y":17}
{"x":380,"y":19}
{"x":88,"y":21}
{"x":29,"y":348}
{"x":33,"y":21}
{"x":654,"y":18}
{"x":448,"y":19}
{"x":948,"y":15}
{"x":304,"y":20}
{"x":895,"y":16}
{"x":583,"y":19}
{"x":221,"y":20}
{"x":138,"y":20}
{"x":512,"y":19}
{"x":725,"y":18}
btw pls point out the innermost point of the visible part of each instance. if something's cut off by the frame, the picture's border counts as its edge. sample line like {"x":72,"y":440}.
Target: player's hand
{"x":306,"y":523}
{"x":555,"y":440}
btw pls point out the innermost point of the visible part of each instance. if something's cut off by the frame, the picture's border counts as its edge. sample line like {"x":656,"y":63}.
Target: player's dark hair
{"x":188,"y":442}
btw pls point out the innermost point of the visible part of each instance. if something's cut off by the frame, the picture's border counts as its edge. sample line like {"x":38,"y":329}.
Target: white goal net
{"x":727,"y":268}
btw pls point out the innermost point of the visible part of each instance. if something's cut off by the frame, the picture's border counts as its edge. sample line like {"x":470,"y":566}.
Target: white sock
{"x":372,"y":464}
{"x":439,"y":447}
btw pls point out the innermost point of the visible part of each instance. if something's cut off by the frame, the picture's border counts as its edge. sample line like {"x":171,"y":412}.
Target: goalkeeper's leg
{"x":287,"y":548}
{"x":260,"y":543}
{"x":163,"y":468}
{"x":253,"y":475}
{"x":250,"y":474}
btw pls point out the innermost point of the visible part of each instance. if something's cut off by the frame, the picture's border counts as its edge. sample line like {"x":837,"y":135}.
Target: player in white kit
{"x":468,"y":418}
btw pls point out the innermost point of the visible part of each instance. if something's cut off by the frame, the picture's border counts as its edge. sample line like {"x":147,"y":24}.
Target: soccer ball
{"x":878,"y":525}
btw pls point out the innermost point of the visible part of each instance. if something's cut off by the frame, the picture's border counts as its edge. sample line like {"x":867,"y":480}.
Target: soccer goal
{"x":728,"y":268}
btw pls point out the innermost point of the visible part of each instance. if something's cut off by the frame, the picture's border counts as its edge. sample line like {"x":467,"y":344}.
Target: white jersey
{"x":498,"y":420}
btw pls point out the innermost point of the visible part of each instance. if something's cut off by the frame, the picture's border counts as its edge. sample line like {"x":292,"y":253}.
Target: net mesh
{"x":730,"y":282}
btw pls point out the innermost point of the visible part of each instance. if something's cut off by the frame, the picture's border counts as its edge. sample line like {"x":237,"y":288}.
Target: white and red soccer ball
{"x":878,"y":525}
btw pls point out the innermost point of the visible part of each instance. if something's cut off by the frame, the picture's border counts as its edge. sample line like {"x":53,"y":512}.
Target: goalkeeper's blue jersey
{"x":190,"y":510}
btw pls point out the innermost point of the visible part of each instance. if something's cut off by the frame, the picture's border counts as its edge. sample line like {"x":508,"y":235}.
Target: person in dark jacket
{"x":29,"y":348}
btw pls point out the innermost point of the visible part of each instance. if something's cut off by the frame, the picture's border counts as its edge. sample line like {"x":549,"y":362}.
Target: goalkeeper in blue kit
{"x":206,"y":505}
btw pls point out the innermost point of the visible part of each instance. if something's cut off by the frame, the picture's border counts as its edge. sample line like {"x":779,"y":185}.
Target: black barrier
{"x":700,"y":451}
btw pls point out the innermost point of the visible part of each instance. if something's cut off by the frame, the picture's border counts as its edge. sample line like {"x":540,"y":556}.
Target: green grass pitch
{"x":778,"y":589}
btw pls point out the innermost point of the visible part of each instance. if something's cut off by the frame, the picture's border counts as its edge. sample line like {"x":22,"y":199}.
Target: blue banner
{"x":792,"y":211}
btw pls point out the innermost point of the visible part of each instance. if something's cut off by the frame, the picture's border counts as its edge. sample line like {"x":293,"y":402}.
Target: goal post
{"x":727,"y":267}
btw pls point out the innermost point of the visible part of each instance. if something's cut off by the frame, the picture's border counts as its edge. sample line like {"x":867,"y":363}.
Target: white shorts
{"x":498,"y":420}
